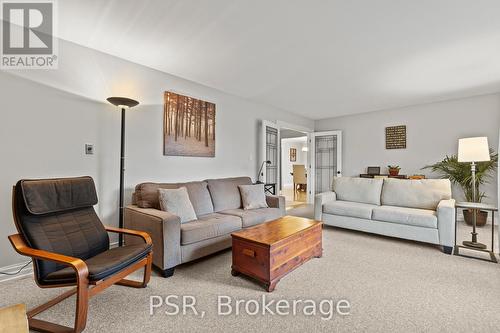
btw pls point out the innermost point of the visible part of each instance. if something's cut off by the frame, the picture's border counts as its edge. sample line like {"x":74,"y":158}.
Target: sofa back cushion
{"x":364,"y":190}
{"x":421,"y":193}
{"x":225,"y":192}
{"x":146,"y":195}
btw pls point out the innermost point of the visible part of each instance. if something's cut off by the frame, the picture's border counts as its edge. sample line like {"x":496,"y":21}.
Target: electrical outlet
{"x":89,"y":149}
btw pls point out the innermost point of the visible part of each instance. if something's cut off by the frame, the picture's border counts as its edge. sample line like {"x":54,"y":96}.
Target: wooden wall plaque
{"x":395,"y":137}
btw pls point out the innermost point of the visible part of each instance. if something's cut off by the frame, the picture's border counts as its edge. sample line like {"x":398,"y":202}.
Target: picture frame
{"x":188,"y":126}
{"x":293,"y":155}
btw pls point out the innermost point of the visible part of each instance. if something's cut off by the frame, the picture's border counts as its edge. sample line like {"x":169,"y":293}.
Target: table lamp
{"x":472,"y":150}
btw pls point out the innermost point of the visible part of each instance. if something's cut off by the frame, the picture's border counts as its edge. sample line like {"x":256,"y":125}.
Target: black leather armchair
{"x":59,"y":229}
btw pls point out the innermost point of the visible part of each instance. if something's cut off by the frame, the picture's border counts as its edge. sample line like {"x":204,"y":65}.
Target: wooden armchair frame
{"x":84,"y":289}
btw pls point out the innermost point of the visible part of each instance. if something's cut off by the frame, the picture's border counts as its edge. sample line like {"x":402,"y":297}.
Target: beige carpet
{"x":392,"y":285}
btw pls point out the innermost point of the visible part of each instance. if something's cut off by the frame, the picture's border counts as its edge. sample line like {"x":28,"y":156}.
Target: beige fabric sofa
{"x":217,"y":203}
{"x":420,"y":210}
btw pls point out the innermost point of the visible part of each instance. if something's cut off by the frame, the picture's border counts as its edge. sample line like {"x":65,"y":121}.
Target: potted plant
{"x":460,"y":174}
{"x":394,"y":170}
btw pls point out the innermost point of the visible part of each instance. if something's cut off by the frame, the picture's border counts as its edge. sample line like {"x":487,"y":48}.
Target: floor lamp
{"x":472,"y":150}
{"x":123,"y":103}
{"x":260,"y":171}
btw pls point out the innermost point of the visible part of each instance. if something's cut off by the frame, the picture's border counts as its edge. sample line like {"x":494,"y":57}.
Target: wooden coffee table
{"x":269,"y":251}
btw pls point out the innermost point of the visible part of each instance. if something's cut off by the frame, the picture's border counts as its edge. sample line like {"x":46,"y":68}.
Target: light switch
{"x":89,"y":149}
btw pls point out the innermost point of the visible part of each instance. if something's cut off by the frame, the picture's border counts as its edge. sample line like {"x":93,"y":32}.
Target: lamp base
{"x":474,"y":245}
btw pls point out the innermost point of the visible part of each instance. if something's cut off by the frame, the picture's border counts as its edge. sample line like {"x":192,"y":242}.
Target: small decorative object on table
{"x":373,"y":170}
{"x":394,"y":170}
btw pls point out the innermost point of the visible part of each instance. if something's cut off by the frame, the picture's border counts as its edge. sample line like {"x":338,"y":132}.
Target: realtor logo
{"x":28,"y":34}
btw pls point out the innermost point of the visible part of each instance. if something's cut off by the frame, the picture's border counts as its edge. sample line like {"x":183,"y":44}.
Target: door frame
{"x":312,"y":156}
{"x":298,"y":128}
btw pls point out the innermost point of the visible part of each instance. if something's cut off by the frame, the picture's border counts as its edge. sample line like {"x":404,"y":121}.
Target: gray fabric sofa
{"x":420,"y":210}
{"x":218,"y":206}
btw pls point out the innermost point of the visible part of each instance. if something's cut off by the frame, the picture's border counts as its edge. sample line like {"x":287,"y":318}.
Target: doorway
{"x":322,"y":156}
{"x":293,"y":167}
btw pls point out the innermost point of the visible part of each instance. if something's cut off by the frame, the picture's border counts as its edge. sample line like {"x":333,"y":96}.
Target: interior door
{"x":326,"y":161}
{"x":270,"y":151}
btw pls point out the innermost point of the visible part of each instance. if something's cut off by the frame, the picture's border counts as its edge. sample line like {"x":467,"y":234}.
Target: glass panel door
{"x":271,"y":155}
{"x":270,"y":151}
{"x":326,"y":160}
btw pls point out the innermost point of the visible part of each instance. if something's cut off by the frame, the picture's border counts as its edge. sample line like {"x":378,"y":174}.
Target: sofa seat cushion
{"x":209,"y":226}
{"x":409,"y":216}
{"x":253,"y":217}
{"x":103,"y":265}
{"x":351,"y":209}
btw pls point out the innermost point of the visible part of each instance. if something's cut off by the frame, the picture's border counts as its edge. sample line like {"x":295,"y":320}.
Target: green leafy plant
{"x":460,"y":173}
{"x":394,"y":167}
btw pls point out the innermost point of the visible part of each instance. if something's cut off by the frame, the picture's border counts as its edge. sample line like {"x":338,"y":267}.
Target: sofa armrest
{"x":319,"y":200}
{"x":164,"y":229}
{"x":446,"y":222}
{"x":277,"y":201}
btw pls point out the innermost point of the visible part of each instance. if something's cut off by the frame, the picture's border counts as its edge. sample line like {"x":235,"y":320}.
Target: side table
{"x":478,"y":206}
{"x":270,"y":188}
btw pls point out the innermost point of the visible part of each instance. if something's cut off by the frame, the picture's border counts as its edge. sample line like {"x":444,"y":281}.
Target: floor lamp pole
{"x":123,"y":103}
{"x":474,"y":211}
{"x":122,"y":172}
{"x":473,"y":243}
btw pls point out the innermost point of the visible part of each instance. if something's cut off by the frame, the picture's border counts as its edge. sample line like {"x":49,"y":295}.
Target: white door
{"x":269,"y":151}
{"x":326,"y":161}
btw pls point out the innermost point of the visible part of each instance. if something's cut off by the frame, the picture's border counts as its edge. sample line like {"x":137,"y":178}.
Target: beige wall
{"x":433,"y":131}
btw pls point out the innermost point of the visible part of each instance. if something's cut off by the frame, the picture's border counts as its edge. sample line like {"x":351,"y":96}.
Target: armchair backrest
{"x":299,"y":174}
{"x":57,"y":215}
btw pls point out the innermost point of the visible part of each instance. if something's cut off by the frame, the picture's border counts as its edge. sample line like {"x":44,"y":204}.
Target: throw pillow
{"x":253,"y":196}
{"x":176,"y":201}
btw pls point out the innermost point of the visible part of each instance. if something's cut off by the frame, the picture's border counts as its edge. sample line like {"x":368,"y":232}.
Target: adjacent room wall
{"x":49,"y":115}
{"x":433,"y":131}
{"x":286,"y":165}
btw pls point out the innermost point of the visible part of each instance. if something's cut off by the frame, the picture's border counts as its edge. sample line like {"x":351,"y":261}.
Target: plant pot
{"x":393,"y":172}
{"x":481,"y":218}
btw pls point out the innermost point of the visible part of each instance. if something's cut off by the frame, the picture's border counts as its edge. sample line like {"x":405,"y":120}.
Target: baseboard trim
{"x":28,"y":270}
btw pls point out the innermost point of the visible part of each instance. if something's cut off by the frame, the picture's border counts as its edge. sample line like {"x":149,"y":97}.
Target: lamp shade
{"x":123,"y":102}
{"x":473,"y":150}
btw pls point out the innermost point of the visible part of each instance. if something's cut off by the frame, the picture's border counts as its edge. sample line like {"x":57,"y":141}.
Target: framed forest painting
{"x":188,"y":126}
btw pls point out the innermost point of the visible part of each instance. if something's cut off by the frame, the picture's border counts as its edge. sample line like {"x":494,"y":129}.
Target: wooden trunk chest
{"x":269,"y":251}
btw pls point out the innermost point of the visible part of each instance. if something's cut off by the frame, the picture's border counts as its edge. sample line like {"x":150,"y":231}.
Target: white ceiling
{"x":316,"y":58}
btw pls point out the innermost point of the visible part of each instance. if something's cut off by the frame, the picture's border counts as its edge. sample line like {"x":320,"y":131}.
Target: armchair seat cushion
{"x":253,"y":217}
{"x":402,"y":215}
{"x":103,"y":265}
{"x":208,"y":226}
